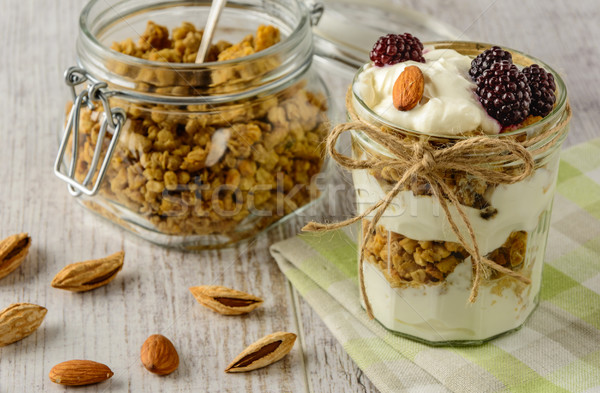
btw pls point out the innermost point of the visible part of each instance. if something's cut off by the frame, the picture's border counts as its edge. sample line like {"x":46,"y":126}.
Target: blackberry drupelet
{"x":542,"y":87}
{"x":504,"y":93}
{"x":395,"y":48}
{"x":485,"y":60}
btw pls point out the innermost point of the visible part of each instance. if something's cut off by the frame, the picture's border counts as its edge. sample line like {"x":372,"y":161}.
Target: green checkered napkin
{"x":557,"y":350}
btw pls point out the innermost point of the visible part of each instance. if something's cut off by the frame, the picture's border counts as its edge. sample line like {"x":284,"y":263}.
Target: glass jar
{"x":187,"y":155}
{"x":417,"y":276}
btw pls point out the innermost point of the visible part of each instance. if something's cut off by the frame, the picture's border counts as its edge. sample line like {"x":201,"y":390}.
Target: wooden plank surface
{"x":150,"y":295}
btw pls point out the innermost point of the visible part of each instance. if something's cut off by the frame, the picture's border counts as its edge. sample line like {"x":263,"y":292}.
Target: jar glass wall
{"x":417,"y":276}
{"x":207,"y":154}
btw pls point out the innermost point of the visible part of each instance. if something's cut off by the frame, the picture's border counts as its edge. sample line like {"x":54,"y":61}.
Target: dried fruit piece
{"x":13,"y":250}
{"x":159,"y":355}
{"x":408,"y":88}
{"x":79,"y":372}
{"x":19,"y":320}
{"x":225,"y":300}
{"x":264,"y":352}
{"x":83,"y":276}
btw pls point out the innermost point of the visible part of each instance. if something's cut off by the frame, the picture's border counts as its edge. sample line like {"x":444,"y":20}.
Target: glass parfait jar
{"x":187,"y":155}
{"x":417,"y":275}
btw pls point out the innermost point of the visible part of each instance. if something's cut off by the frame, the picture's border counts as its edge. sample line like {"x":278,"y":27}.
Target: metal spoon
{"x":213,"y":18}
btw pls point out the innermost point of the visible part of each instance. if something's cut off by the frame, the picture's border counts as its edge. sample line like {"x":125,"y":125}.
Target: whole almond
{"x":159,"y":355}
{"x":225,"y":300}
{"x":263,"y":352}
{"x":19,"y":320}
{"x":79,"y":372}
{"x":13,"y":251}
{"x":408,"y":88}
{"x":84,"y":276}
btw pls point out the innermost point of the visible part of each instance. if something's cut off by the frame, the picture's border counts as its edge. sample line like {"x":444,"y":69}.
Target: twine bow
{"x":410,"y":158}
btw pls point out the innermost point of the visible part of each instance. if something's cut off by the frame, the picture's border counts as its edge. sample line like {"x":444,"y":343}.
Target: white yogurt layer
{"x":441,"y":312}
{"x":421,"y":217}
{"x":449,"y":105}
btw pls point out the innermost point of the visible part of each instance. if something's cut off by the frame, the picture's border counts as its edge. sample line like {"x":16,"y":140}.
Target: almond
{"x":263,"y":352}
{"x":19,"y":320}
{"x":159,"y":355}
{"x":225,"y":300}
{"x":84,"y":276}
{"x":13,"y":251}
{"x":408,"y":88}
{"x":79,"y":372}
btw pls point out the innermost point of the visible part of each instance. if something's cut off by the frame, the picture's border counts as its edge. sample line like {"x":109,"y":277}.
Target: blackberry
{"x":504,"y":93}
{"x":485,"y":60}
{"x":395,"y":48}
{"x":542,"y":88}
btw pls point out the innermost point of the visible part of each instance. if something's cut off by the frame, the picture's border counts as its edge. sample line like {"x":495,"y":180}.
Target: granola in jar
{"x":208,"y":155}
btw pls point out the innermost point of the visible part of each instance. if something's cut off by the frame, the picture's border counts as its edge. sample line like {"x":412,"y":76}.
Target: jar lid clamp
{"x":112,"y":118}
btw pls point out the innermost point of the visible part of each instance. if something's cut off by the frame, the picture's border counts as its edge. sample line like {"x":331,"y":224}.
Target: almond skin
{"x":263,"y":352}
{"x":79,"y":373}
{"x":88,"y":275}
{"x":408,"y":88}
{"x":159,"y":355}
{"x":225,"y":300}
{"x":20,"y":320}
{"x":13,"y":251}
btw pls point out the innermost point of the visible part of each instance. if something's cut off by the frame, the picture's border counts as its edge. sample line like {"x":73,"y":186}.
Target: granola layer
{"x":409,"y":262}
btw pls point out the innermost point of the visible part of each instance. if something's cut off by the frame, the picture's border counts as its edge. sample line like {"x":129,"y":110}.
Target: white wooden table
{"x":150,"y":295}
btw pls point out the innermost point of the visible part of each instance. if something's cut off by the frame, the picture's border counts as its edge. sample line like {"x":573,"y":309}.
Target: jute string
{"x":472,"y":156}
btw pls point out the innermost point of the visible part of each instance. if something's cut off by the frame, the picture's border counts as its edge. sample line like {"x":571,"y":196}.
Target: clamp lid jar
{"x":186,"y":155}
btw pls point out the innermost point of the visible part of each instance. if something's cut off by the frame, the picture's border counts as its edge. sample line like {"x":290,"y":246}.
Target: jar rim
{"x":524,"y":59}
{"x":295,"y":50}
{"x":285,"y":42}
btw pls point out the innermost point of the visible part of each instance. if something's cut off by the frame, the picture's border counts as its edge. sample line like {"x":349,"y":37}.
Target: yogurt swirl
{"x":449,"y":105}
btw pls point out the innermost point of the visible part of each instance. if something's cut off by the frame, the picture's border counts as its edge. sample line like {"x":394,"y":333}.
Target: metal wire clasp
{"x":112,"y":121}
{"x":316,"y":10}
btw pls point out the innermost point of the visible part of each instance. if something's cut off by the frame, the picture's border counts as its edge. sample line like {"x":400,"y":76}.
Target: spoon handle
{"x":213,"y":18}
